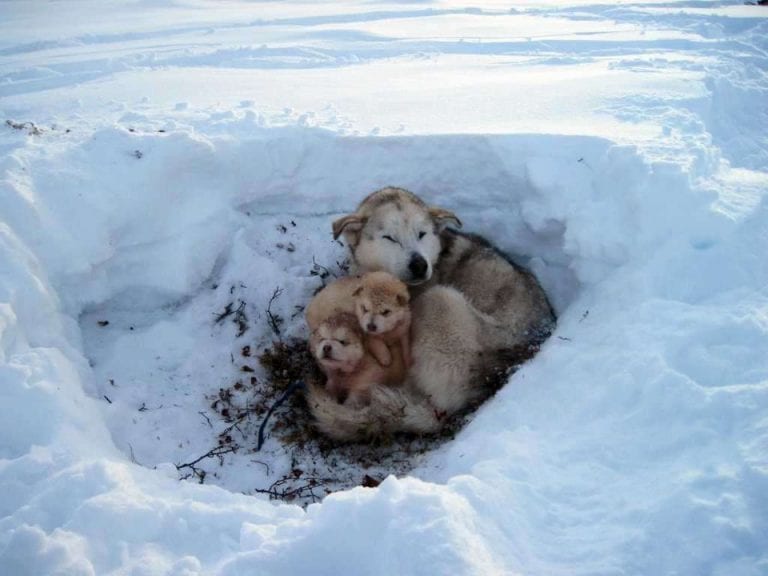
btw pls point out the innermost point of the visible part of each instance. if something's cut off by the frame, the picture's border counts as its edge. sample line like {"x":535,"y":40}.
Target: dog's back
{"x":513,"y":303}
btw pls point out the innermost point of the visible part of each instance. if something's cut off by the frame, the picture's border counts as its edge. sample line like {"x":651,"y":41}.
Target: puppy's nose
{"x":417,"y":266}
{"x":371,"y":327}
{"x":327,"y":350}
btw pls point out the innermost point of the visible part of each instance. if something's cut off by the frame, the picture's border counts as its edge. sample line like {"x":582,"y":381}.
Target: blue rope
{"x":298,"y":385}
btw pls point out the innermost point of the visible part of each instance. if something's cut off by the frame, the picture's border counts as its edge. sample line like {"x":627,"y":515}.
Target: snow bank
{"x":646,"y":389}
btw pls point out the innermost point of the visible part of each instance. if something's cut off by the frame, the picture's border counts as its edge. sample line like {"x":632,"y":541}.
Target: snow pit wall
{"x":122,"y":215}
{"x":96,"y":220}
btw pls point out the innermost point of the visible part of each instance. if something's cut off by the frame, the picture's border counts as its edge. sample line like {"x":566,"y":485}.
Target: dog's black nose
{"x":417,"y":266}
{"x":371,"y":327}
{"x":327,"y":350}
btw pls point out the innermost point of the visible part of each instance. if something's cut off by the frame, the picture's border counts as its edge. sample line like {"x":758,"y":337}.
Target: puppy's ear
{"x":443,"y":217}
{"x":351,"y":223}
{"x":358,"y":291}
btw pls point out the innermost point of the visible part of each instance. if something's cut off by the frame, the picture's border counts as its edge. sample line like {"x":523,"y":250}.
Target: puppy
{"x":381,"y":305}
{"x":338,"y":345}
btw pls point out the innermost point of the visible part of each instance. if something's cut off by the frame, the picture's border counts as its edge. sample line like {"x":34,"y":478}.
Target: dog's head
{"x":381,"y":302}
{"x":337,"y":343}
{"x":395,"y":231}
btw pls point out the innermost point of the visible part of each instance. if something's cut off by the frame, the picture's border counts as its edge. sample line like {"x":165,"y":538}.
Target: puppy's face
{"x":399,"y":236}
{"x":381,"y":305}
{"x":338,"y":344}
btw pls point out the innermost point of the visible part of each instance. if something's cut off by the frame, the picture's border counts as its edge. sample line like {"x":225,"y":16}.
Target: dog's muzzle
{"x":418,"y":268}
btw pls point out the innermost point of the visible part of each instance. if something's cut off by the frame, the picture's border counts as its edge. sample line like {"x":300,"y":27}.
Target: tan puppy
{"x":338,"y":345}
{"x":381,"y":305}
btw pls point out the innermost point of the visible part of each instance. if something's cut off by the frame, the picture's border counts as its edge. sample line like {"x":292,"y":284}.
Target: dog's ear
{"x":358,"y":291}
{"x":348,"y":224}
{"x":443,"y":217}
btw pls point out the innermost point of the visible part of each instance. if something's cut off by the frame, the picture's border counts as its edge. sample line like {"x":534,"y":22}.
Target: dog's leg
{"x":380,"y":351}
{"x":336,"y":387}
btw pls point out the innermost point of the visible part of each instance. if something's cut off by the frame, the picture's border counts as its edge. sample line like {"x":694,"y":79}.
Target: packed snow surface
{"x":164,"y":160}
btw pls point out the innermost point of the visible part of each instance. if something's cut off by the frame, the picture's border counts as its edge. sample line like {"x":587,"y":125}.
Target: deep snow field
{"x":168,"y":174}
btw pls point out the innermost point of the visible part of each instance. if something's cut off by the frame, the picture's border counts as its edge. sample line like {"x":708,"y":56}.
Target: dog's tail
{"x":390,"y":410}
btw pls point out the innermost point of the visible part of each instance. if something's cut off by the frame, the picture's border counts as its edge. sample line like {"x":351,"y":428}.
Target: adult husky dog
{"x":471,"y":305}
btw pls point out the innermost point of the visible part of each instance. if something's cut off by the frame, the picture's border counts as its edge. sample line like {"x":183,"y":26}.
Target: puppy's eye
{"x":365,"y":310}
{"x":422,"y":234}
{"x":386,"y":313}
{"x":388,"y":237}
{"x":343,"y":342}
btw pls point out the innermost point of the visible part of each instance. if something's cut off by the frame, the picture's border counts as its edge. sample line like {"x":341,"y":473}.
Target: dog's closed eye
{"x":390,"y":238}
{"x":422,"y":234}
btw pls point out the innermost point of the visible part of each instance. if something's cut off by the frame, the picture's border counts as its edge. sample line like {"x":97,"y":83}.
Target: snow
{"x":192,"y":155}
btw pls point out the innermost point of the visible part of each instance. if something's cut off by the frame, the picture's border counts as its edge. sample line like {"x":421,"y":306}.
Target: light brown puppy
{"x":381,"y":305}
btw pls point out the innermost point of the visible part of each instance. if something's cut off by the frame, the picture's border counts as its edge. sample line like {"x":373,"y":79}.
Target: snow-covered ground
{"x":165,"y":160}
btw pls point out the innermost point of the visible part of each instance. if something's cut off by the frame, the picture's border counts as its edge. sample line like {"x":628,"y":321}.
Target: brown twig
{"x":283,"y":489}
{"x":227,"y":312}
{"x":219,"y":452}
{"x":274,"y":320}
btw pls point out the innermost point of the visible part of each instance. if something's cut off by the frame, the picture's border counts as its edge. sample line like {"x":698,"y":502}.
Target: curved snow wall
{"x":139,"y":223}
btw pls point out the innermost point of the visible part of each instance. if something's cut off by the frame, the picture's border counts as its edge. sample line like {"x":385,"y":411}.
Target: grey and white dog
{"x":471,"y":305}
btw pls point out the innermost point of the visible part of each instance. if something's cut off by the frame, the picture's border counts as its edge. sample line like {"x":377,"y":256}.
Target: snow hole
{"x":202,"y":249}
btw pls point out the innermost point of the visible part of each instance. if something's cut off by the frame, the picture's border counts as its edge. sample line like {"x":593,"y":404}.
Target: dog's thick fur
{"x":471,"y":304}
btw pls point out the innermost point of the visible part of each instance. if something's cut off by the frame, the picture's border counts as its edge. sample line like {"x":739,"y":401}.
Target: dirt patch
{"x":319,"y":465}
